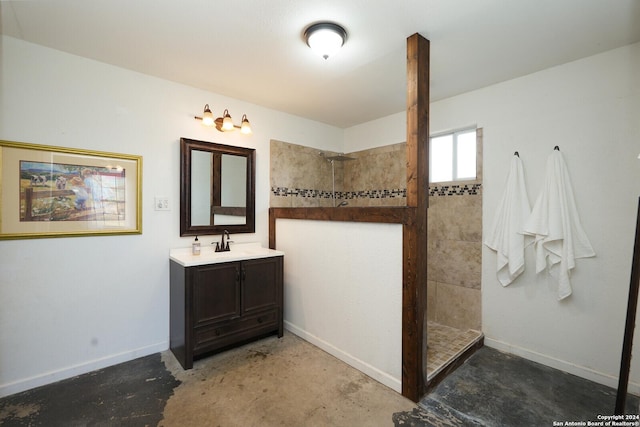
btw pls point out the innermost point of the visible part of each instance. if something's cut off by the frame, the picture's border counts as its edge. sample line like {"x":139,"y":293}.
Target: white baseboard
{"x":371,"y":371}
{"x":79,"y":369}
{"x":562,"y":365}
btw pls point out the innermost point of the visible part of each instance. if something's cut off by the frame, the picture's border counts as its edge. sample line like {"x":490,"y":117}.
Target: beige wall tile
{"x":280,"y":201}
{"x":455,"y":262}
{"x":432,"y":250}
{"x":458,"y":307}
{"x":455,"y":218}
{"x":431,"y":300}
{"x":298,"y":167}
{"x":436,"y":219}
{"x":376,"y":169}
{"x":295,"y":166}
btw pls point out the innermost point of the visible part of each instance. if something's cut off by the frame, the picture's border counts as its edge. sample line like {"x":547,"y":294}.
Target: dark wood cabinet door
{"x":261,"y":279}
{"x":216,"y":306}
{"x":216,"y":293}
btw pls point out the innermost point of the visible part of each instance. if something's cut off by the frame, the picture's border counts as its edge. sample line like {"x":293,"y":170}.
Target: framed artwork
{"x":48,"y":191}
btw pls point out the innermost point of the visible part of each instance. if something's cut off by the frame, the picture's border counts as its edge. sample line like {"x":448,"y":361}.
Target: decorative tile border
{"x":301,"y":192}
{"x":436,"y":190}
{"x":455,"y":190}
{"x":373,"y":194}
{"x":348,"y":195}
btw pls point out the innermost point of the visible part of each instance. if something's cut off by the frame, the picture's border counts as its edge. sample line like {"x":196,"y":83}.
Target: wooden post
{"x":632,"y":305}
{"x":28,"y":203}
{"x":272,"y":228}
{"x":414,"y":292}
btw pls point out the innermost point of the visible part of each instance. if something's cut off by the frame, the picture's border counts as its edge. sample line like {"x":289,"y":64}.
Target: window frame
{"x":454,"y":152}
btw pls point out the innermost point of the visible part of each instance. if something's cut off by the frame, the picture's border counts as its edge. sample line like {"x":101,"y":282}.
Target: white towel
{"x":505,"y":236}
{"x":554,"y":222}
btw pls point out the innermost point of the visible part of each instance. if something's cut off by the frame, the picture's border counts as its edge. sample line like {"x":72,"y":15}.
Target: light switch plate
{"x":161,"y":203}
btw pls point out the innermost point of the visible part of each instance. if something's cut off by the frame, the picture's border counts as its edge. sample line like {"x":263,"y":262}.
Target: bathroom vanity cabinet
{"x":219,"y":305}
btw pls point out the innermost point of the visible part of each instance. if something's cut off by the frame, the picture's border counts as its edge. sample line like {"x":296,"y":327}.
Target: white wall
{"x":71,"y":305}
{"x":343,"y":291}
{"x":376,"y":133}
{"x":591,"y":109}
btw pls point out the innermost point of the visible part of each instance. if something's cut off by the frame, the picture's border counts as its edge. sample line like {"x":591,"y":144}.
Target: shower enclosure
{"x":454,"y":259}
{"x":301,"y":177}
{"x":333,"y":159}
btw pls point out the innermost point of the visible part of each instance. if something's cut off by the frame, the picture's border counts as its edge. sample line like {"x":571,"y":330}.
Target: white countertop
{"x":208,"y":255}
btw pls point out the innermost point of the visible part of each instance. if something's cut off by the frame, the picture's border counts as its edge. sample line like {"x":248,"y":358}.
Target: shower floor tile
{"x":445,"y":344}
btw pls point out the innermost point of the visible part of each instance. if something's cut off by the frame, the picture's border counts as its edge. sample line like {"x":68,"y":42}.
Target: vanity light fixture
{"x":207,"y":116}
{"x":224,"y":123}
{"x":325,"y":38}
{"x":227,"y":123}
{"x":245,"y":126}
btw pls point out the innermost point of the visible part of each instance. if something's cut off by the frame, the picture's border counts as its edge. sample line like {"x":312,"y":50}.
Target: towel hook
{"x":516,"y":154}
{"x":556,"y":148}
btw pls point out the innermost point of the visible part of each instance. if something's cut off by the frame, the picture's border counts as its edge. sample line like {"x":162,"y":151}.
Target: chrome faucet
{"x":221,"y":247}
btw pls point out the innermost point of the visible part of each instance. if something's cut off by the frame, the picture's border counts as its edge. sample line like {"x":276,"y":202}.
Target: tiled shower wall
{"x":301,"y":177}
{"x":378,"y":177}
{"x":454,"y":260}
{"x":454,"y":251}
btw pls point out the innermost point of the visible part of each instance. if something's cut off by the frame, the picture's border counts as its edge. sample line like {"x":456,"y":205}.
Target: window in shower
{"x":452,"y":156}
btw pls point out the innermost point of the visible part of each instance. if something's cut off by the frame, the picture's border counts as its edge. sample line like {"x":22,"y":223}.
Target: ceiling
{"x":253,"y":50}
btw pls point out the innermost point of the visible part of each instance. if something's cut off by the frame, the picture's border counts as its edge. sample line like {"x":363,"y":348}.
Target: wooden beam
{"x":414,"y":286}
{"x":413,"y":217}
{"x":630,"y":324}
{"x":417,"y":120}
{"x":272,"y":228}
{"x":381,"y":214}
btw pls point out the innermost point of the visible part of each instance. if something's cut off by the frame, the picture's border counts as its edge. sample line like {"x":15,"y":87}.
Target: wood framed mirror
{"x":217,"y":188}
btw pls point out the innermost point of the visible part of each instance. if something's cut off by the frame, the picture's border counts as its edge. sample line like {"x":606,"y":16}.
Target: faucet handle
{"x":217,"y":246}
{"x":227,"y":248}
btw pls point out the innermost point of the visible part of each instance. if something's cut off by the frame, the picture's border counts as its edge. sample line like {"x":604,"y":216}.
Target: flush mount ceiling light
{"x":224,"y":123}
{"x":325,"y":38}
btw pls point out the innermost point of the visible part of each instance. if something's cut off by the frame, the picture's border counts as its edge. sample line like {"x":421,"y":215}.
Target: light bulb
{"x":207,"y":116}
{"x":245,"y":127}
{"x":227,"y":123}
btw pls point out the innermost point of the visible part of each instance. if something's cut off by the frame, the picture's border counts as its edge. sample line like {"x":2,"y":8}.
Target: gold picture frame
{"x":48,"y":191}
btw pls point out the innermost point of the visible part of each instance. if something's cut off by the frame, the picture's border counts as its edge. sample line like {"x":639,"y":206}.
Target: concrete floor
{"x":497,"y":389}
{"x":129,"y":394}
{"x":289,"y":382}
{"x":271,"y":382}
{"x":278,"y":382}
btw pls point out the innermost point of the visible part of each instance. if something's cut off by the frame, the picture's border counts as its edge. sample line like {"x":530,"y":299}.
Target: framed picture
{"x":48,"y":191}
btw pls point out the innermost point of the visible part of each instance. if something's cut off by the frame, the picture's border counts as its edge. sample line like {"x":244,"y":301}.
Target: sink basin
{"x":208,"y":255}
